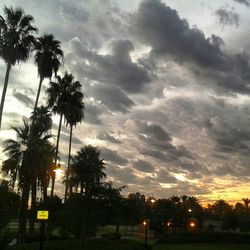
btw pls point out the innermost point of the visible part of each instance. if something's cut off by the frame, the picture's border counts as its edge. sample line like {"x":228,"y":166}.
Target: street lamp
{"x":150,"y":200}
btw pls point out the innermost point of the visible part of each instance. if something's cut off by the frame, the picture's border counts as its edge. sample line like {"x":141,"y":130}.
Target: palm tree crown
{"x":58,"y":93}
{"x":16,"y":42}
{"x":48,"y":56}
{"x":28,"y":158}
{"x":74,"y":111}
{"x":41,"y":119}
{"x":29,"y":154}
{"x":87,"y":167}
{"x":16,"y":39}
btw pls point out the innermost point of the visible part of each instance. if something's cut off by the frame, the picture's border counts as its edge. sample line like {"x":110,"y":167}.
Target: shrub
{"x":111,"y":236}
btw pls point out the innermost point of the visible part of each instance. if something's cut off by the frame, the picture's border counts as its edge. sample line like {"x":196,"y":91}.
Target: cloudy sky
{"x":166,"y":85}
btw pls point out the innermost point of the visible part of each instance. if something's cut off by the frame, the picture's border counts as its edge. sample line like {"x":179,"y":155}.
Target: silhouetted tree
{"x":48,"y":59}
{"x":9,"y":203}
{"x":27,"y":158}
{"x":58,"y":96}
{"x":87,"y":169}
{"x":16,"y":42}
{"x":246,"y":203}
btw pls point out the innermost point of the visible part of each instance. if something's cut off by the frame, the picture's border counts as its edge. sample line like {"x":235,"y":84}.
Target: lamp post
{"x":149,"y":201}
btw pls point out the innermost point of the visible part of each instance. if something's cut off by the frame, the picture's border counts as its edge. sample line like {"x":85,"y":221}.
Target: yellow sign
{"x":42,"y":215}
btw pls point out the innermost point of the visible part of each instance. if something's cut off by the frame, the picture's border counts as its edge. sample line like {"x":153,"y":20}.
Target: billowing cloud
{"x":166,"y":91}
{"x":245,"y":2}
{"x":227,"y":17}
{"x":24,"y":96}
{"x":113,"y":156}
{"x":143,"y":166}
{"x":115,"y":68}
{"x":92,"y":113}
{"x":229,"y":139}
{"x":107,"y":137}
{"x":171,"y":37}
{"x":161,"y":27}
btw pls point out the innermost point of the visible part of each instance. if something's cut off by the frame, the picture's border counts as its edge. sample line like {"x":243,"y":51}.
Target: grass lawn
{"x":204,"y":246}
{"x":97,"y":244}
{"x":101,"y":244}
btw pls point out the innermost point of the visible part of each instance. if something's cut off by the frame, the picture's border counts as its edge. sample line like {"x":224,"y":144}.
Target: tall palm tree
{"x":16,"y":42}
{"x":41,"y":122}
{"x":48,"y":59}
{"x":59,"y":95}
{"x":87,"y":168}
{"x":74,"y":113}
{"x":27,"y":157}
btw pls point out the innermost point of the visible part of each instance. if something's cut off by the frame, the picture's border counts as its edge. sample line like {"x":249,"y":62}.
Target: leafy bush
{"x":4,"y":242}
{"x":111,"y":236}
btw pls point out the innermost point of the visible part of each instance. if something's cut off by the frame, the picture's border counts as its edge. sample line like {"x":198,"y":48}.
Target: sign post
{"x":42,"y":215}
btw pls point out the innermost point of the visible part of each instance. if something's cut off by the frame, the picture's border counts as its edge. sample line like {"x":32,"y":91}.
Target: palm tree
{"x":246,"y":203}
{"x":41,"y":122}
{"x":16,"y":42}
{"x":220,"y":207}
{"x":87,"y":170}
{"x":57,"y":101}
{"x":41,"y":119}
{"x":74,"y":113}
{"x":48,"y":59}
{"x":27,"y":158}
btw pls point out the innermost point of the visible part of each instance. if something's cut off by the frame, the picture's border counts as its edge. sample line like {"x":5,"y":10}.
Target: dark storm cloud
{"x":225,"y":170}
{"x":171,"y":37}
{"x":92,"y":113}
{"x":75,"y":140}
{"x":154,"y":154}
{"x":245,"y":2}
{"x":114,"y":98}
{"x":115,"y":68}
{"x":189,"y":189}
{"x":153,"y":131}
{"x":161,"y":27}
{"x":128,"y":177}
{"x":107,"y":137}
{"x":161,"y":141}
{"x":113,"y":156}
{"x":124,"y":175}
{"x":143,"y":166}
{"x":164,"y":177}
{"x":194,"y":169}
{"x":229,"y":139}
{"x":227,"y":17}
{"x":24,"y":96}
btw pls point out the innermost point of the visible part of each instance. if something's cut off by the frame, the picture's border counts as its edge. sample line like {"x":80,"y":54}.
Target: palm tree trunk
{"x":57,"y":146}
{"x":23,"y":211}
{"x":6,"y":80}
{"x":84,"y":223}
{"x":69,"y":156}
{"x":38,"y":92}
{"x":81,"y":190}
{"x":33,"y":203}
